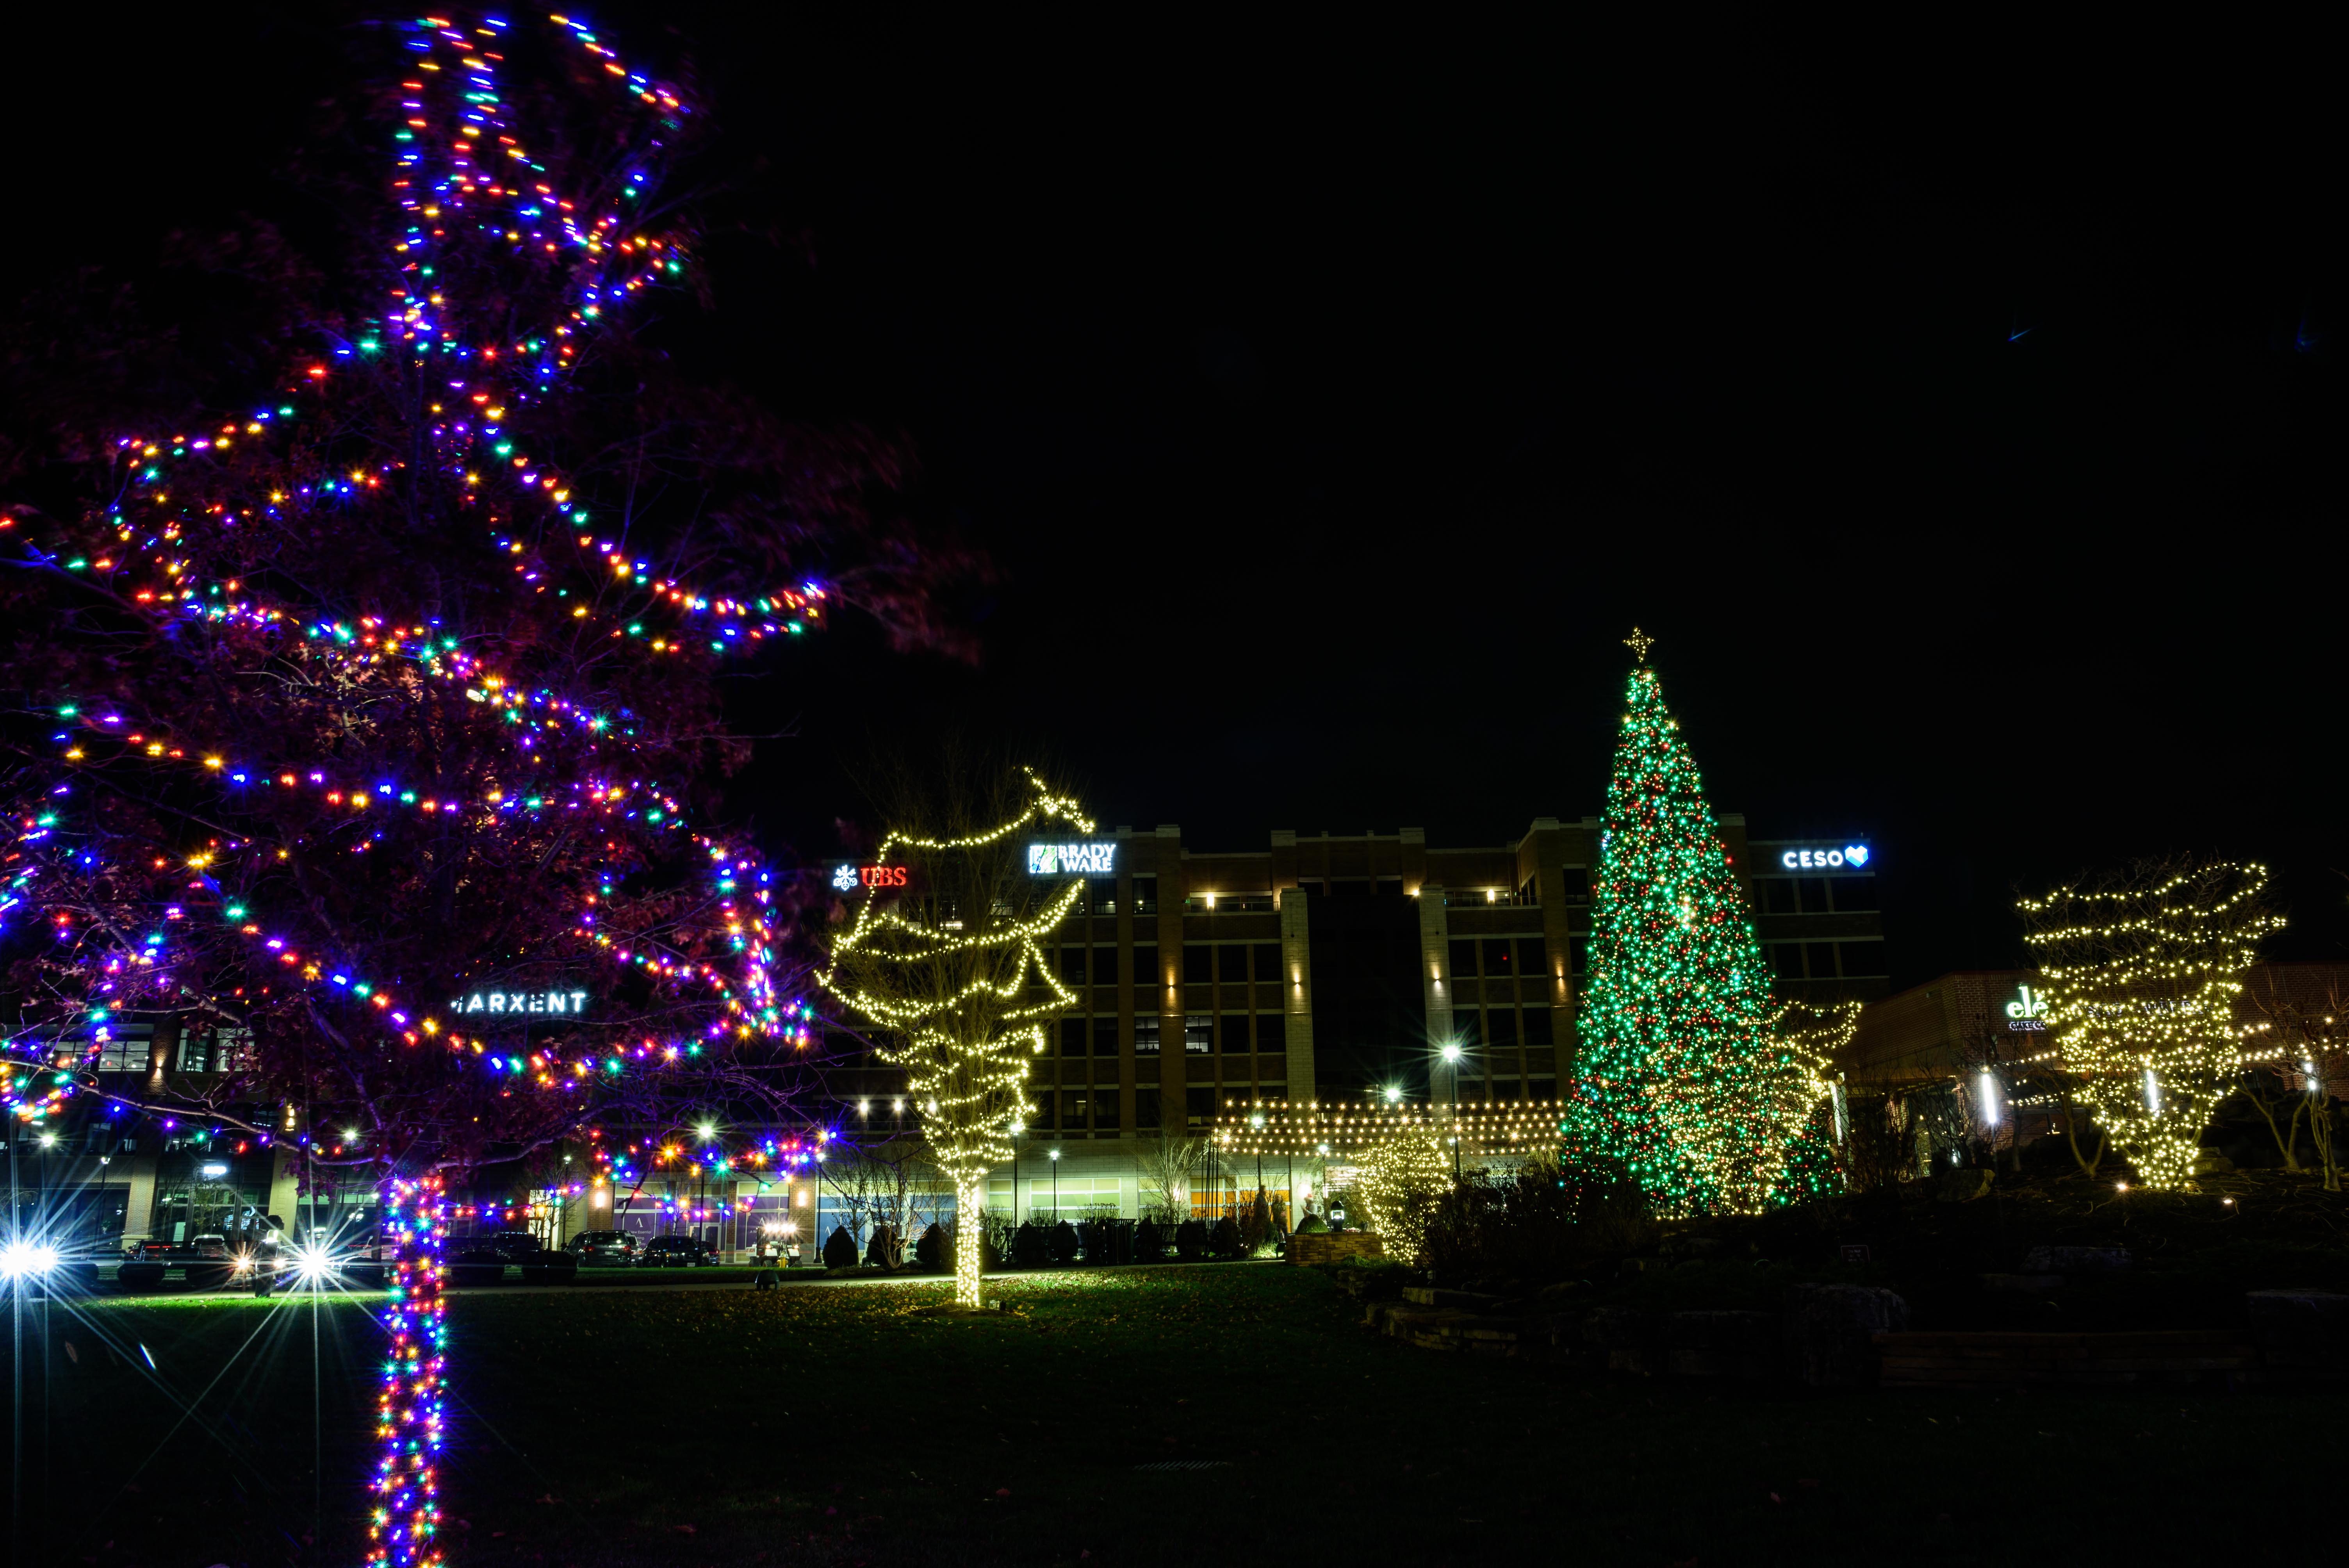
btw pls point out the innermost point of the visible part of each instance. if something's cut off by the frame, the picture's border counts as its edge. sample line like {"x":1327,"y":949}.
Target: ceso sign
{"x":1834,"y":858}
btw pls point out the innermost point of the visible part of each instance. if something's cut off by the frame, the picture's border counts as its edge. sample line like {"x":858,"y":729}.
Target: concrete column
{"x":1174,"y":1075}
{"x":1297,"y":993}
{"x":1435,"y":984}
{"x":138,"y":1216}
{"x":284,"y":1189}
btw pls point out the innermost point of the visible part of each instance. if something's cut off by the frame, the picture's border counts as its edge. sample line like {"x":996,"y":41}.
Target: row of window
{"x":1816,"y":895}
{"x":1498,"y":1027}
{"x":1501,"y":956}
{"x":1818,"y":960}
{"x":1203,"y":963}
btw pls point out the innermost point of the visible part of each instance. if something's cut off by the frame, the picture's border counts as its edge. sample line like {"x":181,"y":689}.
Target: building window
{"x":1463,"y":960}
{"x":1822,"y":959}
{"x":1104,"y":1037}
{"x":1777,"y":894}
{"x":130,"y":1051}
{"x":1103,"y":896}
{"x":1145,"y":895}
{"x":1501,"y":1026}
{"x":1145,"y":1035}
{"x":1072,"y":966}
{"x":1147,"y":1116}
{"x":1532,"y":956}
{"x":1539,"y":1027}
{"x":1267,"y":961}
{"x":1496,"y":956}
{"x":1074,"y":1106}
{"x":1785,"y":959}
{"x":1575,"y":884}
{"x":1467,"y":1027}
{"x":1862,"y":958}
{"x":1198,"y":963}
{"x":1145,"y":967}
{"x":1236,"y":1033}
{"x":1271,"y":1034}
{"x":1198,"y":1034}
{"x":1073,"y":1036}
{"x":1199,"y":1107}
{"x":1851,"y":895}
{"x":1578,"y":953}
{"x":1233,"y":962}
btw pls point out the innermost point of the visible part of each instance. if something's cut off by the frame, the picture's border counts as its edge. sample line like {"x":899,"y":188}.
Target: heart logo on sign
{"x":1855,"y":855}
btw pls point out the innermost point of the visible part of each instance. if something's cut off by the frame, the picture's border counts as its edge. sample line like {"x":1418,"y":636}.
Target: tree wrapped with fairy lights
{"x":2142,"y":969}
{"x":948,"y":968}
{"x":1681,"y":1076}
{"x":368,"y":717}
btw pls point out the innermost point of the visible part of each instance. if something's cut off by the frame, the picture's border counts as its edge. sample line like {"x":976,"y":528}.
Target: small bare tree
{"x":2297,"y":1046}
{"x":1166,"y":1167}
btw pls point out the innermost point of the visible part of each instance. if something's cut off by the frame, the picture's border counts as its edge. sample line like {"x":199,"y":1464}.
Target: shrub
{"x":930,"y":1252}
{"x":1062,"y":1243}
{"x":1149,"y":1241}
{"x":1028,"y":1248}
{"x":1191,"y":1240}
{"x":1225,"y":1241}
{"x":840,"y":1249}
{"x":1313,"y":1226}
{"x":885,"y":1249}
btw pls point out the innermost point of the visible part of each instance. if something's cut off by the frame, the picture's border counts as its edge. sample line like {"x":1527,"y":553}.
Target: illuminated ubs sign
{"x":1836,"y":858}
{"x":1085,"y":858}
{"x":848,"y":878}
{"x":559,"y":1004}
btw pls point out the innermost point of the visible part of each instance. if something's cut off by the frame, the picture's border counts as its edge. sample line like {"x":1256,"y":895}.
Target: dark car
{"x":512,"y":1246}
{"x":678,"y":1252}
{"x":593,"y":1247}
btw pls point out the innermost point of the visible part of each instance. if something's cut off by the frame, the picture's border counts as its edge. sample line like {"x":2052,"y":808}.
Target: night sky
{"x":1333,"y":403}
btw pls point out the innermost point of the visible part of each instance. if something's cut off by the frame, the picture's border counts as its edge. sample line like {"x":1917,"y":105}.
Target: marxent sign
{"x":559,"y":1004}
{"x":1839,"y":857}
{"x":1085,"y":858}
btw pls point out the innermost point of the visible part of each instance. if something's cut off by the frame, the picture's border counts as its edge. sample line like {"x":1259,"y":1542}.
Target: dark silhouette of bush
{"x":1063,"y":1241}
{"x":1191,"y":1240}
{"x":1149,"y":1241}
{"x":885,"y":1250}
{"x":840,"y":1249}
{"x":1226,"y":1242}
{"x":930,"y":1252}
{"x":1028,"y":1246}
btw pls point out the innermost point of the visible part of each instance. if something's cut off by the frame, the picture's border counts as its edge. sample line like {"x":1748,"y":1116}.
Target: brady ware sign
{"x":1834,"y":858}
{"x":1086,"y":857}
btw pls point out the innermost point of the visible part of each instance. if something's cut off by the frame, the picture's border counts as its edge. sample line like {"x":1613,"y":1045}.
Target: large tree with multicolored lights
{"x":365,"y":711}
{"x":1681,"y":1076}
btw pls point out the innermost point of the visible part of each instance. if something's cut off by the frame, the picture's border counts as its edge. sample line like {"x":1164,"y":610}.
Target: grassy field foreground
{"x":828,"y":1424}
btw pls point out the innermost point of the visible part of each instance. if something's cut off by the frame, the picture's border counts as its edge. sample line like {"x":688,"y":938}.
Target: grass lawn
{"x":833,"y":1425}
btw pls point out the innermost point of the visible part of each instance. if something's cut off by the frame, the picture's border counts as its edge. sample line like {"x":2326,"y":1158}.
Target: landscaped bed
{"x":849,"y":1426}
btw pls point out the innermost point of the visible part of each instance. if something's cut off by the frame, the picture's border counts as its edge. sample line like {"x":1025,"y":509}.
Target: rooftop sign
{"x":848,"y":878}
{"x":1085,"y":858}
{"x":558,"y":1004}
{"x":1831,"y":857}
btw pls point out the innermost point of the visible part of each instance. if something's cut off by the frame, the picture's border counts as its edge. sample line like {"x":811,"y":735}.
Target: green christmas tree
{"x":1682,"y":1078}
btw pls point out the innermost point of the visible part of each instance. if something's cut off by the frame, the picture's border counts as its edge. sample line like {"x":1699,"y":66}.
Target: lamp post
{"x":1056,"y":1186}
{"x":1017,"y":1128}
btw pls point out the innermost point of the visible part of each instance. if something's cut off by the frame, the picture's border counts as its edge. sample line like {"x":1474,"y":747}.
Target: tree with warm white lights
{"x":367,"y":710}
{"x":950,"y":975}
{"x":1680,"y":1075}
{"x":2142,"y":969}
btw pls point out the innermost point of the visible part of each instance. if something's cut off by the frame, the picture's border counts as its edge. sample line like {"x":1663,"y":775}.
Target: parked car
{"x":593,"y":1247}
{"x":512,"y":1246}
{"x":678,"y":1252}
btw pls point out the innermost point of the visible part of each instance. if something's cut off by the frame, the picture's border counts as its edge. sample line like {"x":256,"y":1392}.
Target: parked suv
{"x":678,"y":1252}
{"x":593,"y":1247}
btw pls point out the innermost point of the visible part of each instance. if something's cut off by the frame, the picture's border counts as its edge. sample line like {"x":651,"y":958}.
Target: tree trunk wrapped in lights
{"x":1681,"y":1076}
{"x":947,"y":966}
{"x":1403,"y":1177}
{"x":2142,"y":970}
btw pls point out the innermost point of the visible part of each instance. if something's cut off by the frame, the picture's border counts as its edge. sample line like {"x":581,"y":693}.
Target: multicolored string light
{"x":404,"y":1525}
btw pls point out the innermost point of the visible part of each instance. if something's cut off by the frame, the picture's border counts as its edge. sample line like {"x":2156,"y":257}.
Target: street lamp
{"x":21,"y":1260}
{"x":1017,"y":1128}
{"x":1394,"y":1094}
{"x":1056,"y":1186}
